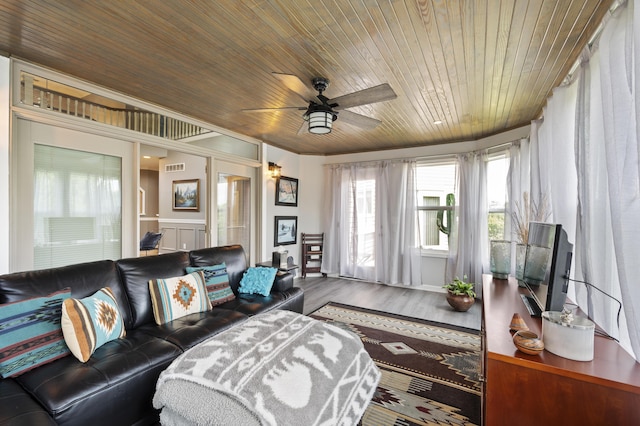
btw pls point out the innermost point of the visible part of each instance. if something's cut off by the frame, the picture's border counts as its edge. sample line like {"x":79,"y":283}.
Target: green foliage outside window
{"x":496,"y":226}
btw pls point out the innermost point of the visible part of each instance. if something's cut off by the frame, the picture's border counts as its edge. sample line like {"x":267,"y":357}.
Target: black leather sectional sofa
{"x":116,"y":385}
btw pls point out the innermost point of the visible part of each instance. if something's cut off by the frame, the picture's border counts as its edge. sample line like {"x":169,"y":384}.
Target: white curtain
{"x":371,"y":222}
{"x":518,"y":182}
{"x":469,"y":244}
{"x":585,"y":157}
{"x":619,"y":76}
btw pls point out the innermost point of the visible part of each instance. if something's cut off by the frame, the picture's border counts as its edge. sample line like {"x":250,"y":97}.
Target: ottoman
{"x":276,"y":368}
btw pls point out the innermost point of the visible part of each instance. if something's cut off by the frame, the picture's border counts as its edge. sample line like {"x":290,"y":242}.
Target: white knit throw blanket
{"x":277,"y":368}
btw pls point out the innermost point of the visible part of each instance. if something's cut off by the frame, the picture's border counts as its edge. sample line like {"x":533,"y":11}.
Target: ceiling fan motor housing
{"x":320,"y":84}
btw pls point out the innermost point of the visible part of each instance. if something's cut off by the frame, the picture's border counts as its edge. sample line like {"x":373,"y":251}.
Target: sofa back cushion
{"x":136,"y":273}
{"x":232,"y":256}
{"x":84,"y":279}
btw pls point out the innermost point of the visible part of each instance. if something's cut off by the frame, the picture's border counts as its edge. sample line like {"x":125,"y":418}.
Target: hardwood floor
{"x":429,"y":305}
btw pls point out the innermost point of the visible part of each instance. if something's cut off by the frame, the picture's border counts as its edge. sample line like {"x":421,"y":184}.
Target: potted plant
{"x":460,"y":294}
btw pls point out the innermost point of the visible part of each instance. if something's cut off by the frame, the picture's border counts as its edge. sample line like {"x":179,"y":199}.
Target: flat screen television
{"x":546,"y":268}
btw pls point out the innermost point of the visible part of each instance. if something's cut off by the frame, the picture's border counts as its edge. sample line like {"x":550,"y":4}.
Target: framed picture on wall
{"x":285,"y":230}
{"x":286,"y":191}
{"x":186,"y":195}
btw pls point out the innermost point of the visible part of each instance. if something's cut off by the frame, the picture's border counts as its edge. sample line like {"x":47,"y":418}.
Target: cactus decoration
{"x":446,"y":229}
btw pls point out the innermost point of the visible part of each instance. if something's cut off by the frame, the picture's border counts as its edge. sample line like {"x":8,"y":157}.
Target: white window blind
{"x":77,"y":206}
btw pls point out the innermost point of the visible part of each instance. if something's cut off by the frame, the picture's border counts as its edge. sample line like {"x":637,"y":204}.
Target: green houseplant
{"x":460,"y":294}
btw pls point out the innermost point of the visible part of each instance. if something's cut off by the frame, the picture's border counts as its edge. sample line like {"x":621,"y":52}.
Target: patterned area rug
{"x":429,"y":370}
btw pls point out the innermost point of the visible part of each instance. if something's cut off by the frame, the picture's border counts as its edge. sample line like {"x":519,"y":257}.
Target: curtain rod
{"x":489,"y":150}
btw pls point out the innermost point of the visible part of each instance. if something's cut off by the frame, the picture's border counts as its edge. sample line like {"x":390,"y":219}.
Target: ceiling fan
{"x":320,"y":111}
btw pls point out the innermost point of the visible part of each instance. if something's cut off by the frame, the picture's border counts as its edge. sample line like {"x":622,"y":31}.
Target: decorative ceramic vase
{"x":528,"y":342}
{"x":460,"y":303}
{"x":517,"y":323}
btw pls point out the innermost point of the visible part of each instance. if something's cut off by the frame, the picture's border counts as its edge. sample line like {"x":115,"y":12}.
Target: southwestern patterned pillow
{"x":30,"y":333}
{"x":178,"y":296}
{"x":91,"y":322}
{"x":217,"y":281}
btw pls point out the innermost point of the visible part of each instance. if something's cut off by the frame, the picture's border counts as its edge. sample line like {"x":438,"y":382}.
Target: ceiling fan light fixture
{"x":320,"y":122}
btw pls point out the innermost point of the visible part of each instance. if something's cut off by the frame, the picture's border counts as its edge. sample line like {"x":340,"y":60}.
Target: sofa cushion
{"x":176,"y":297}
{"x":91,"y":322}
{"x":188,"y":331}
{"x":136,"y":273}
{"x":233,"y":257}
{"x":19,"y":408}
{"x":31,"y":334}
{"x":217,"y":281}
{"x":114,"y":386}
{"x":84,"y":279}
{"x":257,"y":281}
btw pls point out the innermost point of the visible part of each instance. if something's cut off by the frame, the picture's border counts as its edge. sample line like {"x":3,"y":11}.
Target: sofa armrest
{"x":282,"y":282}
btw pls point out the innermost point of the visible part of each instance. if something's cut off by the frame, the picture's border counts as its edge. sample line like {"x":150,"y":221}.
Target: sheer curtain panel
{"x":469,"y":247}
{"x":371,"y":222}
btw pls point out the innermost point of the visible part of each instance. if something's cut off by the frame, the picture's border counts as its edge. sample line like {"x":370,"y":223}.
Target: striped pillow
{"x":178,"y":296}
{"x":217,"y":282}
{"x":91,"y":322}
{"x":30,"y":333}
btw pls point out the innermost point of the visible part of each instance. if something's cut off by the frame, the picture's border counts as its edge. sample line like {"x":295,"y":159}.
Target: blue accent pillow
{"x":31,"y":333}
{"x":217,"y":282}
{"x":258,"y":280}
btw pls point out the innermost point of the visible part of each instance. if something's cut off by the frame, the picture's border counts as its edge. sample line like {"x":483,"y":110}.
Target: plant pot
{"x":460,"y":303}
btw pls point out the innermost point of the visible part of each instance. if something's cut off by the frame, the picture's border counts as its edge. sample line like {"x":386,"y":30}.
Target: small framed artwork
{"x":186,"y":195}
{"x":286,"y":191}
{"x":285,"y":230}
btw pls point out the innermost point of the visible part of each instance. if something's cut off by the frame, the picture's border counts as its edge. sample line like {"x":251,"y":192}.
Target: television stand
{"x":531,"y":305}
{"x":545,"y":389}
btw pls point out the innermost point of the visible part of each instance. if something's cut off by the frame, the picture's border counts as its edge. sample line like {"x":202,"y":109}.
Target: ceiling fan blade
{"x":303,"y":128}
{"x":273,"y":109}
{"x":358,"y":120}
{"x":296,"y":85}
{"x":380,"y":93}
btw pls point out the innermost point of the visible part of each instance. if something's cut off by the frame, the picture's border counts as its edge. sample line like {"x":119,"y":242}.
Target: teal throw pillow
{"x":91,"y":322}
{"x":30,"y":333}
{"x":217,"y":282}
{"x":257,"y":280}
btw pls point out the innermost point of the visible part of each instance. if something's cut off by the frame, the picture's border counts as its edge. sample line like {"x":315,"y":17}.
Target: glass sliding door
{"x":73,"y":198}
{"x":234,"y":210}
{"x":235,"y":207}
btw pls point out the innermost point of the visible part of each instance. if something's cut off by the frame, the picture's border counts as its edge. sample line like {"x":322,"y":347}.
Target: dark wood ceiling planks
{"x":480,"y":67}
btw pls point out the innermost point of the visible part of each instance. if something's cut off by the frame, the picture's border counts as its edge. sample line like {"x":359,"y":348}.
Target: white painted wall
{"x":5,"y":67}
{"x":290,"y":164}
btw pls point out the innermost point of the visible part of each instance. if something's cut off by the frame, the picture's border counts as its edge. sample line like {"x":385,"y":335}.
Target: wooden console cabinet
{"x":547,"y":389}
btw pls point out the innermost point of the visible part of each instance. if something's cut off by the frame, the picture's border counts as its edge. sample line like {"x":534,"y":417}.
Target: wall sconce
{"x":274,"y":169}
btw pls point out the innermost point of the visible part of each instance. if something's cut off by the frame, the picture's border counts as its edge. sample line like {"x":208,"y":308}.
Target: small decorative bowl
{"x":528,"y":342}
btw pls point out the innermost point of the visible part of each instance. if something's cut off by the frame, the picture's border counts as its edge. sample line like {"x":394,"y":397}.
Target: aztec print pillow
{"x":178,"y":296}
{"x":217,"y":282}
{"x":91,"y":322}
{"x":30,"y":333}
{"x":257,"y":280}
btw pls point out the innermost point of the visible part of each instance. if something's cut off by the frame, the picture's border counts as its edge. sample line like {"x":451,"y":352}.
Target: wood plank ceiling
{"x":479,"y":67}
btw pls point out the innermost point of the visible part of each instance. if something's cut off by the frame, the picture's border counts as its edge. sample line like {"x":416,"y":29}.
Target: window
{"x":77,"y":206}
{"x":362,"y":250}
{"x":437,"y":179}
{"x":434,"y":181}
{"x":497,"y":169}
